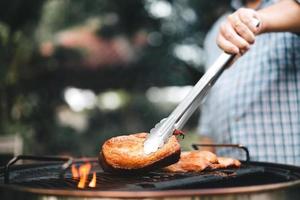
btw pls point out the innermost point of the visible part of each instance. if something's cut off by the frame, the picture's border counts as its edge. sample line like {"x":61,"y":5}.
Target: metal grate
{"x":56,"y":175}
{"x":47,"y":177}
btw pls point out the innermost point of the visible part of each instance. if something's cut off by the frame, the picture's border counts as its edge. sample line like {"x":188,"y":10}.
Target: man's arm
{"x":238,"y":32}
{"x":280,"y":17}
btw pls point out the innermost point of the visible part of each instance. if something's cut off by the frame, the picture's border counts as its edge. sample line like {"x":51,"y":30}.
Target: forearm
{"x":280,"y":17}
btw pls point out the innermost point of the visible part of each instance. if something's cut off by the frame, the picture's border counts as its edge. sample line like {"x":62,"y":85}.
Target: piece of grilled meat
{"x":225,"y":162}
{"x":193,"y":161}
{"x":125,"y":154}
{"x":197,"y":161}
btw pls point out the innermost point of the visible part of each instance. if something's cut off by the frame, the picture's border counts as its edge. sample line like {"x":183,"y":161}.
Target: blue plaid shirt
{"x":256,"y":102}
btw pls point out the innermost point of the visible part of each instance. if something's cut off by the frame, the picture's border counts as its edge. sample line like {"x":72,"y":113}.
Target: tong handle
{"x":187,"y":107}
{"x":177,"y":119}
{"x":204,"y":84}
{"x":202,"y":87}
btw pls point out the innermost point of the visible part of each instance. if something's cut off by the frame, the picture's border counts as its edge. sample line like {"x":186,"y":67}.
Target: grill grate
{"x":56,"y":175}
{"x":47,"y":177}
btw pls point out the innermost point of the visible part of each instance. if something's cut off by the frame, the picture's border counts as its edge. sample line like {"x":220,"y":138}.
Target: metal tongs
{"x":177,"y":119}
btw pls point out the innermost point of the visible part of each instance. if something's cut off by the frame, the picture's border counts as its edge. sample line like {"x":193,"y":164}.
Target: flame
{"x":84,"y":170}
{"x":93,"y":181}
{"x":82,"y":174}
{"x":74,"y":171}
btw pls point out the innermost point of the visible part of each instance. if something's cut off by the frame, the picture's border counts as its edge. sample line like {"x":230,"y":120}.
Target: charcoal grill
{"x":54,"y":179}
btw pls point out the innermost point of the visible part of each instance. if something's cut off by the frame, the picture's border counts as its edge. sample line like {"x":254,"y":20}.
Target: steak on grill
{"x":224,"y":162}
{"x":125,"y":154}
{"x":197,"y":161}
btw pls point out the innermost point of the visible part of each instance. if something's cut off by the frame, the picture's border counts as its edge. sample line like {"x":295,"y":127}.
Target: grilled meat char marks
{"x":126,"y":154}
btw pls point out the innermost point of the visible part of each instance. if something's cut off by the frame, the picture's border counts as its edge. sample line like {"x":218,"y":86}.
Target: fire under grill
{"x":56,"y":178}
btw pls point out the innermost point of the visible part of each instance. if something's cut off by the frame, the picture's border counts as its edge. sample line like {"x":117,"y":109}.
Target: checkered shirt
{"x":256,"y":102}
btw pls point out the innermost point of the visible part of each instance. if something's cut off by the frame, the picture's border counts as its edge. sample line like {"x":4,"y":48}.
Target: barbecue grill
{"x":44,"y":179}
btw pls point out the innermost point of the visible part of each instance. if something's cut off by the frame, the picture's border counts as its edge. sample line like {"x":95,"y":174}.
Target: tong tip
{"x":152,"y":144}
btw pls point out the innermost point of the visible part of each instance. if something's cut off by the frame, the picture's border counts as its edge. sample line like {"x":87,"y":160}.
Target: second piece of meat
{"x":197,"y":161}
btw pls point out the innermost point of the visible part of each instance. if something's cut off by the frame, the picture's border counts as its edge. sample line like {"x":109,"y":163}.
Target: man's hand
{"x":238,"y":32}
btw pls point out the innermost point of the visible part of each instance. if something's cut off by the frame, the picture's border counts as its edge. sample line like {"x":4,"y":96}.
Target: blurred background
{"x":74,"y":73}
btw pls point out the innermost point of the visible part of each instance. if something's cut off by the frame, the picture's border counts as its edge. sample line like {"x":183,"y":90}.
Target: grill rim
{"x":150,"y":193}
{"x":169,"y":192}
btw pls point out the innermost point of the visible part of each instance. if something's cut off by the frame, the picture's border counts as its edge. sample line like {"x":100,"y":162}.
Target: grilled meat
{"x":197,"y":161}
{"x":125,"y":154}
{"x":225,"y":162}
{"x":193,"y":161}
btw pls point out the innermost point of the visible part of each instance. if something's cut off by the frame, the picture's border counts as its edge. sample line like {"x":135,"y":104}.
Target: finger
{"x":243,"y":51}
{"x":227,"y":46}
{"x":230,"y":34}
{"x":242,"y":29}
{"x":247,"y":19}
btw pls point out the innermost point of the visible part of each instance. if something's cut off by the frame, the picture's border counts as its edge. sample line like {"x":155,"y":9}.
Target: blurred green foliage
{"x":32,"y":84}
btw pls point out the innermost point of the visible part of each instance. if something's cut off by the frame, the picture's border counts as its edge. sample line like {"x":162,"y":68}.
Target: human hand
{"x":238,"y":32}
